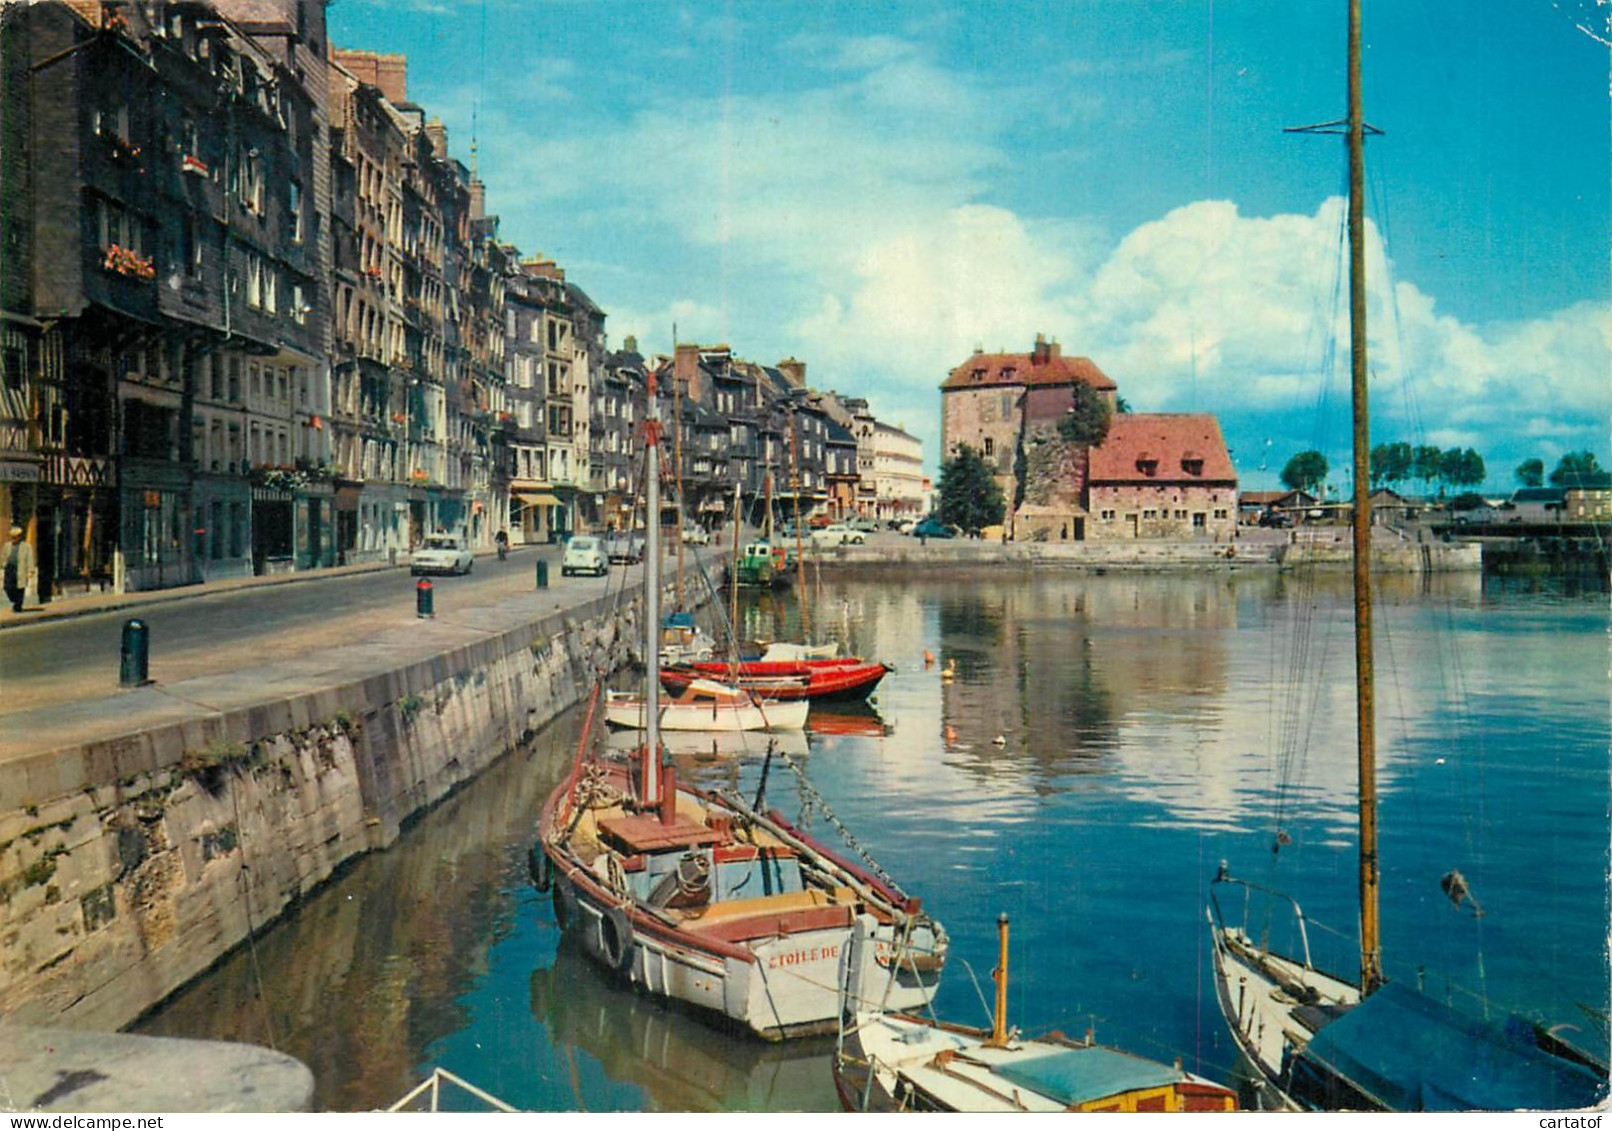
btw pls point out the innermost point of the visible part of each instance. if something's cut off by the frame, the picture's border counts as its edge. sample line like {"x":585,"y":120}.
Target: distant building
{"x":986,"y":401}
{"x":1161,"y":475}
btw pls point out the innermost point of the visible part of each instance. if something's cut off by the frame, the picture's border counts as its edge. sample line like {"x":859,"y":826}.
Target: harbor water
{"x":1104,"y":744}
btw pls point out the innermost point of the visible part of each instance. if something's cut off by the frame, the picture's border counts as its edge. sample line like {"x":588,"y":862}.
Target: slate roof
{"x":1017,"y":369}
{"x":1169,"y":442}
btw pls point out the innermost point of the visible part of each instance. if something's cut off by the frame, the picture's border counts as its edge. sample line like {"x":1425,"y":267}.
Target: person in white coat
{"x":18,"y":557}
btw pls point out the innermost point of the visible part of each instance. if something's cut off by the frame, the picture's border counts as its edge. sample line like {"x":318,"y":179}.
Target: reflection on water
{"x":675,"y":1057}
{"x":1104,"y":743}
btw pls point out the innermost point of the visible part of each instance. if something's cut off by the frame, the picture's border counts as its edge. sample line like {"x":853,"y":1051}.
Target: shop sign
{"x":14,"y":472}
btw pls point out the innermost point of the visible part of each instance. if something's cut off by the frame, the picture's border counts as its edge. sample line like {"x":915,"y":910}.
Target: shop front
{"x":157,"y":520}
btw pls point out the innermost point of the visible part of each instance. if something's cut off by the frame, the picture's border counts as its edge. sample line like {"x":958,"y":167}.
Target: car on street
{"x":932,"y":527}
{"x":864,"y":524}
{"x":584,"y":554}
{"x":624,"y":546}
{"x":837,"y":534}
{"x":442,"y":553}
{"x":694,"y":536}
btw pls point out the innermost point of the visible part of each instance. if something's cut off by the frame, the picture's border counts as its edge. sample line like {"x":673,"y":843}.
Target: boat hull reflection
{"x":677,"y":1058}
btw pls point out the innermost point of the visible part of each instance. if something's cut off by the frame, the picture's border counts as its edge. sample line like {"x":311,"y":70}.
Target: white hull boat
{"x":707,"y":706}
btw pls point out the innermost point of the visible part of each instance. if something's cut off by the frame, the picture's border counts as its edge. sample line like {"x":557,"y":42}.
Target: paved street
{"x":60,"y":661}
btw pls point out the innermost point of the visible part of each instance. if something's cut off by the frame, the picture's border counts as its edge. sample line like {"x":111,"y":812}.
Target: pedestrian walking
{"x":501,"y":540}
{"x":19,"y":567}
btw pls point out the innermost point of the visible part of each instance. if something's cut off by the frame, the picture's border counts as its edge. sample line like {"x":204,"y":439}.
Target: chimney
{"x":437,"y":134}
{"x":686,"y":370}
{"x":392,"y":76}
{"x":1041,"y":352}
{"x":1055,"y":350}
{"x":388,"y":72}
{"x":794,"y":371}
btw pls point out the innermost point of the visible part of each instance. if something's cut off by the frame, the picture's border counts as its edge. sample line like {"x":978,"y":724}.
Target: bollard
{"x":136,"y":660}
{"x":542,"y":574}
{"x":423,"y":598}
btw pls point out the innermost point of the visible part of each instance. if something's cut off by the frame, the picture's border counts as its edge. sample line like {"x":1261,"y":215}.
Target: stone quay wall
{"x":129,"y":864}
{"x":1387,"y":555}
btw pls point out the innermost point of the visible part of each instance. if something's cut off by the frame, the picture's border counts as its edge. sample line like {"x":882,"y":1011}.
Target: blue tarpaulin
{"x":1078,"y":1076}
{"x":1413,"y":1053}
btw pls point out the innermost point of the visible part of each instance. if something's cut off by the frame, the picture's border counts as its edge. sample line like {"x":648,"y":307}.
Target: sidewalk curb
{"x":46,"y":614}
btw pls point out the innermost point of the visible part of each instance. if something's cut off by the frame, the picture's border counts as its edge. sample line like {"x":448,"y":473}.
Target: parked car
{"x":837,"y":534}
{"x":442,"y":553}
{"x":932,"y":527}
{"x":818,"y":521}
{"x":694,"y":536}
{"x":584,"y":554}
{"x":903,"y":525}
{"x":864,"y":524}
{"x":625,"y":546}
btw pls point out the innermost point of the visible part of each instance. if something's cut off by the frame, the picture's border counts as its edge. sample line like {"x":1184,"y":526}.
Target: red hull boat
{"x":816,"y":680}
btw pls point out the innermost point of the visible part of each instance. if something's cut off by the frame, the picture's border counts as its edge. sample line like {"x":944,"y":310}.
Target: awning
{"x":538,"y":500}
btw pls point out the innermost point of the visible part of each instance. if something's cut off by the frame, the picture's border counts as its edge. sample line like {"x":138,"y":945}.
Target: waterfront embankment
{"x":1324,"y":548}
{"x":145,"y":834}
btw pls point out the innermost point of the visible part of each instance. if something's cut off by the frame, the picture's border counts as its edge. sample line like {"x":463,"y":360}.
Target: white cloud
{"x":856,"y":220}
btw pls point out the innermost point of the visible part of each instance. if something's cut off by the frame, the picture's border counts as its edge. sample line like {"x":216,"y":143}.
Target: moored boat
{"x":889,"y":1061}
{"x":1329,"y":1041}
{"x":814,"y":680}
{"x":704,"y":704}
{"x":696,"y":897}
{"x":701,"y":899}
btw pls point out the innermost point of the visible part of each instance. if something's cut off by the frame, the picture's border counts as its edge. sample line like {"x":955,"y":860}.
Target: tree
{"x":1305,"y":472}
{"x":1574,"y":469}
{"x":968,"y":493}
{"x":1461,"y":468}
{"x":1088,"y":417}
{"x":1531,"y":472}
{"x":1390,"y":463}
{"x":1426,"y":460}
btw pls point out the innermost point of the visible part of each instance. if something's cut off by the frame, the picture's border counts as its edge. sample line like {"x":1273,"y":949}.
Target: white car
{"x":837,"y":534}
{"x":694,"y":536}
{"x":584,"y":554}
{"x":442,"y":553}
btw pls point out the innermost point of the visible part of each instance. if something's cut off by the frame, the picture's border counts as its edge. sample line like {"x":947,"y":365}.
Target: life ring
{"x":537,"y":865}
{"x":615,"y":938}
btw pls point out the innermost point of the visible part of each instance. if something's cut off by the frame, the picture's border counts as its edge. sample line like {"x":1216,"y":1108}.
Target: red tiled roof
{"x":984,"y":370}
{"x":1167,"y":440}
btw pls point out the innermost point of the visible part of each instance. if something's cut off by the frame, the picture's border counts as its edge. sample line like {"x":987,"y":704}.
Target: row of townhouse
{"x":254,"y":317}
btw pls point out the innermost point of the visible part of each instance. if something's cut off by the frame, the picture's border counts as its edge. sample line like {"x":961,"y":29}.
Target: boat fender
{"x":615,"y":938}
{"x":561,"y":913}
{"x":537,"y":865}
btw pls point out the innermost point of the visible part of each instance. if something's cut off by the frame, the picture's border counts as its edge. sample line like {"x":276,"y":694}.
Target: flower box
{"x":128,"y":262}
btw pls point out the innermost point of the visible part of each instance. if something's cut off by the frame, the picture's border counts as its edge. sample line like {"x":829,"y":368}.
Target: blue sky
{"x":879,"y":187}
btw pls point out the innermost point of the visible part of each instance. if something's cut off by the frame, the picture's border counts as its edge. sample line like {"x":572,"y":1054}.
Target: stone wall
{"x":129,"y":866}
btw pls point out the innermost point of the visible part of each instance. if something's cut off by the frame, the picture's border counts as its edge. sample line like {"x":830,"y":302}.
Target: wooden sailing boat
{"x":1331,"y":1041}
{"x":700,"y":898}
{"x":895,"y":1062}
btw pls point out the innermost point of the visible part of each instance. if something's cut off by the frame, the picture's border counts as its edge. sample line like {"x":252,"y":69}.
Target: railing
{"x":433,"y":1085}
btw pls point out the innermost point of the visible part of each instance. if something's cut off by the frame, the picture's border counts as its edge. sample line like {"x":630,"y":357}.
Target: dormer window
{"x":1147,"y":464}
{"x":979,"y":374}
{"x":1192,"y":465}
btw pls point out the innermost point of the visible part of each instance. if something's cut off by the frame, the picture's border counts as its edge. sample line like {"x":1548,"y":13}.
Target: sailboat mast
{"x":800,"y":556}
{"x":651,"y":784}
{"x":1365,"y":695}
{"x":677,"y":467}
